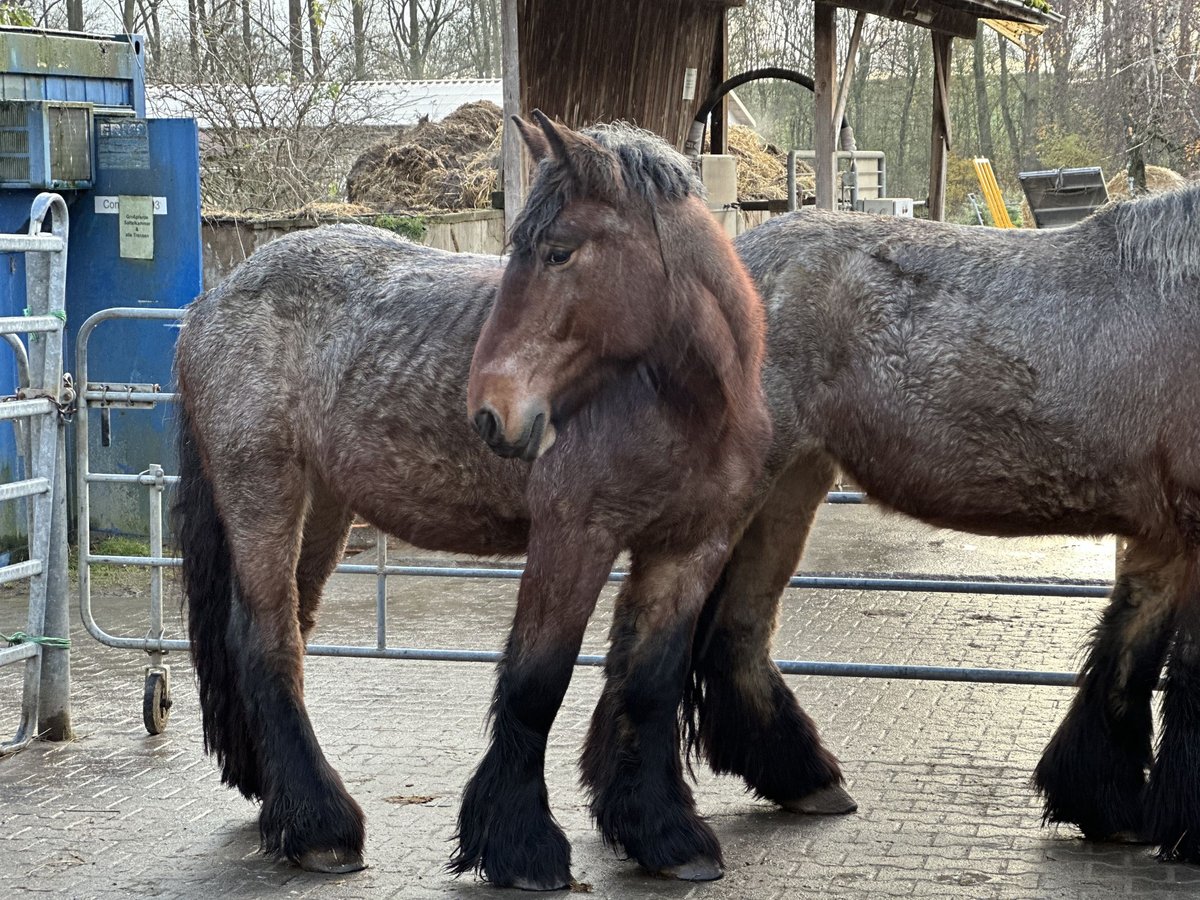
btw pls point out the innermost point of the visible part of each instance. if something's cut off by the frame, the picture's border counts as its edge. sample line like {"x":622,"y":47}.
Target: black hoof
{"x":324,"y":831}
{"x":520,"y":846}
{"x":332,"y":862}
{"x":528,"y":884}
{"x":832,"y":800}
{"x":1087,"y":779}
{"x":1185,"y":849}
{"x":701,"y":868}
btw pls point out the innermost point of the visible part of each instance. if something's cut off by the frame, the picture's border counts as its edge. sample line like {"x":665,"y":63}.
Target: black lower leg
{"x":1173,"y":797}
{"x":505,"y":828}
{"x":307,"y":815}
{"x":632,"y":763}
{"x":1093,"y":771}
{"x":746,"y":721}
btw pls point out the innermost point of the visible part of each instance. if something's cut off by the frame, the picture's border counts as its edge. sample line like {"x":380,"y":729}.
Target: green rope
{"x":21,"y":637}
{"x":60,"y":314}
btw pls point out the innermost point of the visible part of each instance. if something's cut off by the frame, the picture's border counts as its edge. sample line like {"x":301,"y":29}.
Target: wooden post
{"x":720,"y":66}
{"x":513,"y":164}
{"x":825,"y":82}
{"x":940,"y":132}
{"x":843,"y":94}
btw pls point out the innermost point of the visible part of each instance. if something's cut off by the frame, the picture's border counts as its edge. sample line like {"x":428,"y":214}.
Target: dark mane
{"x":648,"y":165}
{"x":1159,"y":234}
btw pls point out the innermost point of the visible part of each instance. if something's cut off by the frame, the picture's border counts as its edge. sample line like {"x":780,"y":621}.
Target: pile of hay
{"x":1158,"y":179}
{"x":451,"y":164}
{"x":762,"y":167}
{"x":455,"y":163}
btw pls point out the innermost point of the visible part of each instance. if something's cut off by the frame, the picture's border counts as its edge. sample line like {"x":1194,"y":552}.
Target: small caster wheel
{"x":156,"y":702}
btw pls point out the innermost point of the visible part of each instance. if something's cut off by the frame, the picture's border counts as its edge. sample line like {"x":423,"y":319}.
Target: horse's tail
{"x":209,"y":589}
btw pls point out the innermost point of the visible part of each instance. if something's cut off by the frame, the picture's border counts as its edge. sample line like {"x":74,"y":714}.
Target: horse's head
{"x":585,"y":290}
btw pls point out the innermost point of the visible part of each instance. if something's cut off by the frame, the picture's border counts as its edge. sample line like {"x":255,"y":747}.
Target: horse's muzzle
{"x":534,"y":439}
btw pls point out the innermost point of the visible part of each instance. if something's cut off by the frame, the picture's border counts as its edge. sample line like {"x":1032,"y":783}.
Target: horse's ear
{"x":553,"y":136}
{"x":593,"y":167}
{"x":535,"y":140}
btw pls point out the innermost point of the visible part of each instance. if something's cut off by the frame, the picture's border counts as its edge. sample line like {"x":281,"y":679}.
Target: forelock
{"x":649,"y":168}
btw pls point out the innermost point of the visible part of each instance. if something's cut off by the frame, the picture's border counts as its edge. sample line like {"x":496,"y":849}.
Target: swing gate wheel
{"x":156,"y":700}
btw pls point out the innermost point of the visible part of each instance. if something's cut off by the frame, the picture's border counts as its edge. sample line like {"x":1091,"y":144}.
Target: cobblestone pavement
{"x":941,"y":771}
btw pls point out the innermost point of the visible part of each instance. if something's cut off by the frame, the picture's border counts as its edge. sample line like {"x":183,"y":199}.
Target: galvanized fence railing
{"x":39,"y":408}
{"x":101,"y":396}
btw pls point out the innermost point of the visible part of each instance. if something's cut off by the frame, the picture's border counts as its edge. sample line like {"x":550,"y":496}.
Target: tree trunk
{"x":202,"y":31}
{"x":193,"y":35}
{"x":314,"y":37}
{"x":1010,"y":128}
{"x":983,"y":108}
{"x":296,"y":39}
{"x":247,"y":37}
{"x":914,"y":73}
{"x":416,"y":62}
{"x":360,"y":40}
{"x":1030,"y":99}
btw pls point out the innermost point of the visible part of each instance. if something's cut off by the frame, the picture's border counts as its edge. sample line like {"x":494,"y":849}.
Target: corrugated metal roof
{"x":369,"y":104}
{"x":372,"y":104}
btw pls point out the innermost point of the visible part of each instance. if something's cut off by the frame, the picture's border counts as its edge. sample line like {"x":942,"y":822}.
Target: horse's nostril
{"x":487,"y":425}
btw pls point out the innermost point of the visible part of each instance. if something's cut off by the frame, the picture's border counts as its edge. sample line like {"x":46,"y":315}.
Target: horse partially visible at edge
{"x":618,"y":377}
{"x":1007,"y":383}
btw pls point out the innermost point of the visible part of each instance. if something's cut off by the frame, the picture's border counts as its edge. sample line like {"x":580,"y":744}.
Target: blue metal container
{"x":72,"y":119}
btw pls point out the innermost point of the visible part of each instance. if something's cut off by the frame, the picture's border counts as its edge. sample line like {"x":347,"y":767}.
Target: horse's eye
{"x":558,"y":257}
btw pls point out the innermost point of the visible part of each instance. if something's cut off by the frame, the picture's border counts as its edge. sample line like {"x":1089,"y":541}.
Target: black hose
{"x":695,"y":139}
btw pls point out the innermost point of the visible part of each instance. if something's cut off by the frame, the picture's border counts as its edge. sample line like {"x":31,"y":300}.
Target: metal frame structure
{"x":98,"y":396}
{"x":41,"y":402}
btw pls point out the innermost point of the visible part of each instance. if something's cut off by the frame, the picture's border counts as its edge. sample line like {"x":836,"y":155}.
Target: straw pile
{"x":762,"y":167}
{"x":451,"y":164}
{"x":1158,"y":179}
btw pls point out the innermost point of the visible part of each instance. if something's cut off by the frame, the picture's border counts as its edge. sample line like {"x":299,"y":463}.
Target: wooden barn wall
{"x":598,"y":61}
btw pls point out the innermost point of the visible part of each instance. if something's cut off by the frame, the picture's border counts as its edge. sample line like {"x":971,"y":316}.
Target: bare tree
{"x":414,"y":28}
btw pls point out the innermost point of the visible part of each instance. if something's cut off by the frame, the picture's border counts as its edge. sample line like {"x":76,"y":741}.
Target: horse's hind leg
{"x":326,"y":527}
{"x":307,"y":815}
{"x":1093,"y":771}
{"x":632,"y":764}
{"x":1173,"y":795}
{"x":747,"y":720}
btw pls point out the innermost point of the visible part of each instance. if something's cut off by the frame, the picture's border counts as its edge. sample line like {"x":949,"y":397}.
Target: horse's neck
{"x":709,"y":361}
{"x":705,"y":366}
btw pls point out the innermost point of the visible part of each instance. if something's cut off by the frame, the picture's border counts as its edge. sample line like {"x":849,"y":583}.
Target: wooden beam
{"x":719,"y":118}
{"x":940,"y":131}
{"x":839,"y":110}
{"x":825,"y":84}
{"x":920,"y":12}
{"x":513,"y":167}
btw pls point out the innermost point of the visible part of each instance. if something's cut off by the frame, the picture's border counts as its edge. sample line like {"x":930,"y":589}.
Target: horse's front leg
{"x":1173,"y":794}
{"x":1093,"y":771}
{"x":505,"y":829}
{"x":632,"y":764}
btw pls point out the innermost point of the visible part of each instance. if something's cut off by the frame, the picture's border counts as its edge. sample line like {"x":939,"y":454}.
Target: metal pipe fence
{"x":37,"y":410}
{"x":98,"y":396}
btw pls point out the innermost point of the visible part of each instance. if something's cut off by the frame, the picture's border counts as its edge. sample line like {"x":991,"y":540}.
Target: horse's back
{"x":343,"y":352}
{"x":989,"y":380}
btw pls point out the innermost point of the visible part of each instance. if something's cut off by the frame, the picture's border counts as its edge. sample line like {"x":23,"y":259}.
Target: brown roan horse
{"x":617,"y":375}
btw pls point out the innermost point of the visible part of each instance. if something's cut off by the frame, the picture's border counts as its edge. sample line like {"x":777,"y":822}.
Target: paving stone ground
{"x":941,"y":771}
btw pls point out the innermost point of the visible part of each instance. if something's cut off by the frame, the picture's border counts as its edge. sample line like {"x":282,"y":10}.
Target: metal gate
{"x":99,"y":397}
{"x":38,"y":408}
